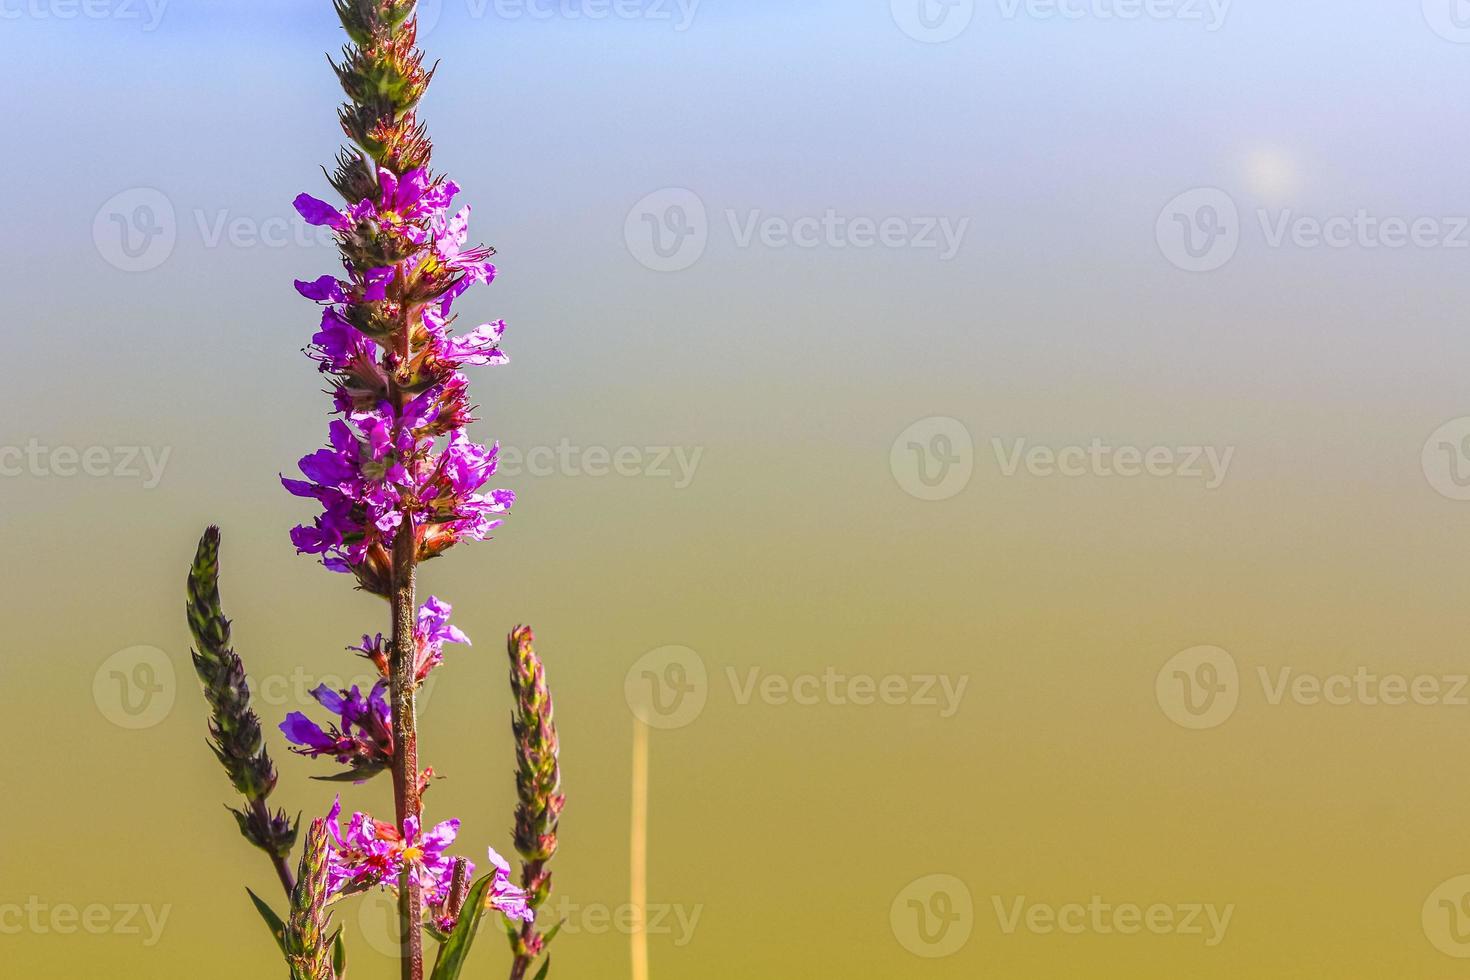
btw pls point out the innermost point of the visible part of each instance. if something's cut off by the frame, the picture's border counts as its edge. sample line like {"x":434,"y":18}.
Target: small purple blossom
{"x":325,"y":289}
{"x":317,"y":212}
{"x":431,"y":631}
{"x":372,"y":853}
{"x":362,"y":737}
{"x":510,"y":899}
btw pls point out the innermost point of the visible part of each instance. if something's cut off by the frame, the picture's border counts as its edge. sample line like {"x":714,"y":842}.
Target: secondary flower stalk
{"x":538,"y":788}
{"x":307,"y":946}
{"x":234,"y":728}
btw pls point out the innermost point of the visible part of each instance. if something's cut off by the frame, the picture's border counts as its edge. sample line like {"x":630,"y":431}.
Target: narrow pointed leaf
{"x":541,"y":973}
{"x":347,"y":776}
{"x":272,"y":921}
{"x":453,"y":953}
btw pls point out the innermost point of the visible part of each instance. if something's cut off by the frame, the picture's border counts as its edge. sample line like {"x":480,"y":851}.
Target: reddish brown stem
{"x":405,"y":741}
{"x":531,"y":871}
{"x":283,"y":869}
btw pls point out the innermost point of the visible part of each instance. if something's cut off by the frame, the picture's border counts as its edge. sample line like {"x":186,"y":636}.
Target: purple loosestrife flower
{"x":399,"y":451}
{"x":362,"y":739}
{"x":431,"y":631}
{"x":510,"y":900}
{"x":372,"y":853}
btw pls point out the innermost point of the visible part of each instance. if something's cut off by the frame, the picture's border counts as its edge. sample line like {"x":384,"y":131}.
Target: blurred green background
{"x":714,"y":225}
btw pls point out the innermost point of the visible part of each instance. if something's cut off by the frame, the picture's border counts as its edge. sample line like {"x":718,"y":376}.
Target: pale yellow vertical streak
{"x":639,"y":850}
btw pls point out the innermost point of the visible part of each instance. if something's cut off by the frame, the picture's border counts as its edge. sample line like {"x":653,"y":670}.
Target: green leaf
{"x":347,"y":776}
{"x":452,"y":954}
{"x":339,"y":956}
{"x":541,"y":973}
{"x":549,"y":936}
{"x":272,"y":921}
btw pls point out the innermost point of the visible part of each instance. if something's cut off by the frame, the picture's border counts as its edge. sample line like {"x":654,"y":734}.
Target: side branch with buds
{"x":538,"y":789}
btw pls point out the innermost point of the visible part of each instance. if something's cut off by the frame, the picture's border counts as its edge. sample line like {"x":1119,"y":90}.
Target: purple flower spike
{"x":397,"y":481}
